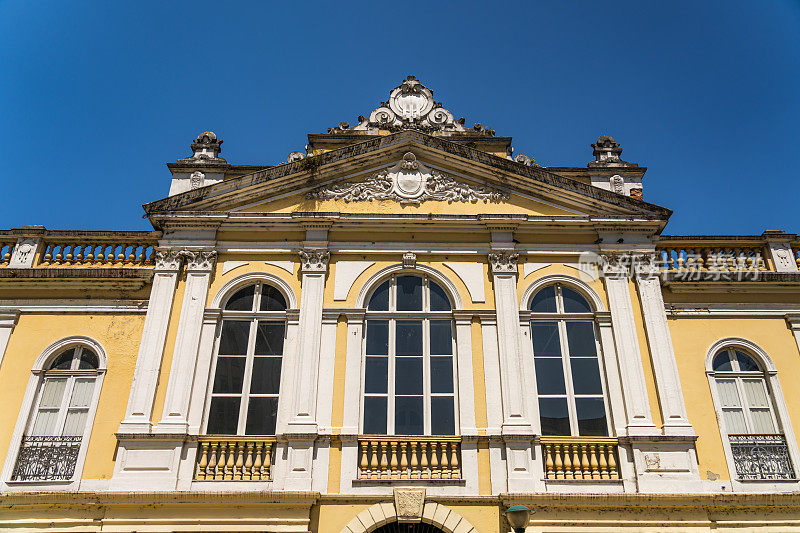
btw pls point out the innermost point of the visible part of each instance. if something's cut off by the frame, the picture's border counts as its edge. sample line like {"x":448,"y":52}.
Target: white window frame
{"x":392,"y":316}
{"x":780,"y":413}
{"x":561,"y":318}
{"x":30,"y":402}
{"x":252,"y":317}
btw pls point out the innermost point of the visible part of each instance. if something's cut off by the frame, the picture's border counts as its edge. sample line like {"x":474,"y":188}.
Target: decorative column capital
{"x":199,"y":260}
{"x":8,"y":318}
{"x":645,"y":266}
{"x":314,"y":260}
{"x":409,"y":260}
{"x":503,"y":262}
{"x":168,"y":260}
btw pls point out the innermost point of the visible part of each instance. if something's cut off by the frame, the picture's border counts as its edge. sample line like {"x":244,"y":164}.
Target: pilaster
{"x":8,"y":319}
{"x":793,"y":321}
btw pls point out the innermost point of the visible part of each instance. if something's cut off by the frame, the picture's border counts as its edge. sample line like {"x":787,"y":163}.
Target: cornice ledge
{"x":158,"y":497}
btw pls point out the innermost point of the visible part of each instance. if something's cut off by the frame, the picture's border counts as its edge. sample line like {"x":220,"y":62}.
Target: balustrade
{"x":234,"y":458}
{"x":6,"y":250}
{"x":409,"y":457}
{"x":580,"y":457}
{"x":709,"y":258}
{"x":98,"y":253}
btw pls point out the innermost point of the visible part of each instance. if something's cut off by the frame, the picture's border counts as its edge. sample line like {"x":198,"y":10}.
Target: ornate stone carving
{"x":503,"y":262}
{"x":408,"y":504}
{"x":168,"y":259}
{"x":295,"y":156}
{"x":607,"y":153}
{"x":409,"y":260}
{"x":23,"y":253}
{"x":523,"y":159}
{"x":408,"y":182}
{"x":314,"y":260}
{"x":783,"y":256}
{"x":199,"y":259}
{"x":617,"y":184}
{"x":196,"y":179}
{"x":410,"y":106}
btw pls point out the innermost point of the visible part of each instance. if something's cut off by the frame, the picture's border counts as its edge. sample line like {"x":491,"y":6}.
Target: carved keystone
{"x":408,"y":503}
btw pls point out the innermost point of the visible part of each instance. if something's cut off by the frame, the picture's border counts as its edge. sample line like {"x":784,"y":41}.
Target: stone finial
{"x":206,"y":146}
{"x":607,"y":152}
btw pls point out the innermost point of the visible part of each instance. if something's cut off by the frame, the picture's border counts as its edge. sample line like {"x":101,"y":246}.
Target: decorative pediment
{"x":407,"y":182}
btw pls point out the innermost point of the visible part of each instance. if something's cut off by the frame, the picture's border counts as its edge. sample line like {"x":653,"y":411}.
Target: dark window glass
{"x":545,"y":300}
{"x":443,"y":420}
{"x":269,"y":338}
{"x":408,"y":415}
{"x":261,"y":416}
{"x":545,"y":339}
{"x":554,"y":416}
{"x":591,"y":417}
{"x":746,"y":364}
{"x":409,"y":293}
{"x":272,"y":299}
{"x":63,"y":361}
{"x":233,"y":340}
{"x":574,"y":302}
{"x":549,"y":375}
{"x":223,"y":416}
{"x":377,"y":337}
{"x":266,"y":375}
{"x":722,"y":362}
{"x":580,"y":337}
{"x":242,"y":300}
{"x":375,"y":415}
{"x":439,"y":300}
{"x":88,"y":360}
{"x":585,"y":375}
{"x":229,"y":375}
{"x":380,"y":298}
{"x":441,"y":374}
{"x":376,"y":375}
{"x":441,"y":337}
{"x":408,"y":375}
{"x":409,"y":337}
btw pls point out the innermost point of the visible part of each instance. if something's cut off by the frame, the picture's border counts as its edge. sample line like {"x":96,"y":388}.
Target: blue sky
{"x":95,"y":97}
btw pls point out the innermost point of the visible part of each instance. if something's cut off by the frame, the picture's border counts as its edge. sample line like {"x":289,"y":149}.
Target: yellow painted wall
{"x":692,"y":337}
{"x":119,"y":336}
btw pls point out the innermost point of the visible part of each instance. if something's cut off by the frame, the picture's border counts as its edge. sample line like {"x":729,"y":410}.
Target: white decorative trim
{"x":435,"y":514}
{"x":227,"y":266}
{"x":314,"y":260}
{"x":169,"y":260}
{"x":8,"y":319}
{"x":503,"y":262}
{"x":24,"y":252}
{"x":530,"y":268}
{"x":749,"y":346}
{"x":587,"y":269}
{"x":409,"y":260}
{"x":62,"y":344}
{"x":782,"y":256}
{"x":408,"y":182}
{"x":288,"y":266}
{"x":370,"y":284}
{"x":345,"y":274}
{"x":251,"y":277}
{"x":471,"y":274}
{"x":582,"y":287}
{"x":200,"y":260}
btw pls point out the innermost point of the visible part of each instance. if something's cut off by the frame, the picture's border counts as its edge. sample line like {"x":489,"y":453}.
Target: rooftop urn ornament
{"x":607,"y":152}
{"x":206,"y":146}
{"x":518,"y":516}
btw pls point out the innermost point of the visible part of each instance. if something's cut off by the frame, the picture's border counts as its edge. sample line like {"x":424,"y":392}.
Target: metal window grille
{"x":43,"y":458}
{"x":761,"y":457}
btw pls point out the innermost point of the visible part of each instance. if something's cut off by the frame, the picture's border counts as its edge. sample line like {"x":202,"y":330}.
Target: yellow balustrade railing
{"x":97,"y":252}
{"x":713,"y":258}
{"x":580,"y":457}
{"x":6,"y":250}
{"x":409,"y":457}
{"x":234,"y":458}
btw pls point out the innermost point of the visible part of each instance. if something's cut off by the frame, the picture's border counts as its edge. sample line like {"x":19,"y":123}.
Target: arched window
{"x":247,"y":372}
{"x":409,"y":373}
{"x":569,"y":383}
{"x":745,"y":399}
{"x":59,"y":421}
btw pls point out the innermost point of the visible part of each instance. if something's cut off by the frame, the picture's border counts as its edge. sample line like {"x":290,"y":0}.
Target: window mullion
{"x":426,"y":376}
{"x":745,"y":404}
{"x":567,"y":369}
{"x":390,"y":367}
{"x":64,"y":408}
{"x":248,"y":375}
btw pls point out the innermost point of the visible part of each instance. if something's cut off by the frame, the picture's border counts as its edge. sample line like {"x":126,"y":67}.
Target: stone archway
{"x":441,"y":518}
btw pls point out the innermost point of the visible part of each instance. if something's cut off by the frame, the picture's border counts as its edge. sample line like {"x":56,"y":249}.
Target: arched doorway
{"x":398,"y":527}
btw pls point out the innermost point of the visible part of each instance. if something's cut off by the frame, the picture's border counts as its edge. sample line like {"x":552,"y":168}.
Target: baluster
{"x":132,"y":254}
{"x":121,"y":254}
{"x":248,"y":463}
{"x":59,"y":258}
{"x":568,"y":472}
{"x":267,"y":461}
{"x":237,"y":472}
{"x":374,"y":464}
{"x":612,"y":462}
{"x":593,"y":461}
{"x":601,"y":449}
{"x":78,"y":254}
{"x":68,"y":255}
{"x":88,"y":253}
{"x":436,"y":472}
{"x":455,"y":467}
{"x":211,"y":469}
{"x":384,"y":462}
{"x":220,"y":460}
{"x":559,"y":464}
{"x":444,"y":462}
{"x":414,"y":461}
{"x":548,"y":461}
{"x":586,"y":471}
{"x":231,"y":462}
{"x":257,"y":473}
{"x":403,"y":461}
{"x":424,"y":472}
{"x":203,"y":462}
{"x":576,"y":461}
{"x":393,"y":461}
{"x":364,"y":462}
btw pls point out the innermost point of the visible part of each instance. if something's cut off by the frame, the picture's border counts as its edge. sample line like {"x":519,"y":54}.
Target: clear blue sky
{"x":95,"y":97}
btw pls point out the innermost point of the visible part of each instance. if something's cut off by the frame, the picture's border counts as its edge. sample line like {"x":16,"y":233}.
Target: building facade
{"x":405,"y":327}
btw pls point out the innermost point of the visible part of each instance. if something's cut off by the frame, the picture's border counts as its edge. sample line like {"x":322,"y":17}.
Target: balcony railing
{"x":46,"y":458}
{"x":710,"y":257}
{"x":234,"y":458}
{"x":6,"y":250}
{"x":409,"y":457}
{"x":761,"y":457}
{"x":580,"y":457}
{"x":98,"y":251}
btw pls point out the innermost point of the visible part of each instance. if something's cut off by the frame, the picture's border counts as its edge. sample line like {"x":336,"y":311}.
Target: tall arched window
{"x":569,"y":383}
{"x":409,"y":373}
{"x":247,"y":372}
{"x":59,"y":421}
{"x":757,"y":444}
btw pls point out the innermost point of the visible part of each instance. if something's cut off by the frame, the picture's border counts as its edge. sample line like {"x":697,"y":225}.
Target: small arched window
{"x":59,"y":420}
{"x":409,"y":372}
{"x":247,"y":371}
{"x":569,"y":383}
